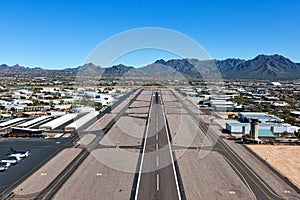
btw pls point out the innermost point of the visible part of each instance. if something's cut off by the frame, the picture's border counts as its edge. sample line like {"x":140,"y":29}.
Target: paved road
{"x":157,"y":178}
{"x":256,"y":185}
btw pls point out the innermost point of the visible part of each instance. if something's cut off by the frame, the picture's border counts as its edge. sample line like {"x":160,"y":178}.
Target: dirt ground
{"x":285,"y":159}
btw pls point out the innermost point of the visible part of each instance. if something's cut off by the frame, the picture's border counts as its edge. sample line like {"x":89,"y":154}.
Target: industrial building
{"x":33,"y":121}
{"x":81,"y":121}
{"x":104,"y":99}
{"x":240,"y":129}
{"x":244,"y":128}
{"x":220,"y":104}
{"x":256,"y":133}
{"x":295,"y":114}
{"x":5,"y":116}
{"x":85,"y":109}
{"x":262,"y":132}
{"x":261,"y":116}
{"x":25,"y":132}
{"x":33,"y":113}
{"x":57,"y":122}
{"x":11,"y":122}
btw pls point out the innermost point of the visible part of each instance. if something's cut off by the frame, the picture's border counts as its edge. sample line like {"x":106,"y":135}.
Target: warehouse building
{"x":265,"y":129}
{"x":11,"y":122}
{"x":25,"y":132}
{"x":33,"y":113}
{"x":58,"y":122}
{"x":219,"y":104}
{"x":5,"y":116}
{"x":104,"y":99}
{"x":256,"y":133}
{"x":295,"y":114}
{"x":33,"y":121}
{"x":261,"y":116}
{"x":81,"y":121}
{"x":239,"y":128}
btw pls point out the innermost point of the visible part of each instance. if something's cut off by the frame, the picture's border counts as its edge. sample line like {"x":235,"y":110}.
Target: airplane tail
{"x":12,"y":150}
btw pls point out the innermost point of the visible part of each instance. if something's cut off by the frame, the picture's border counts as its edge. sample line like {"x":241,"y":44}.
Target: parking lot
{"x":41,"y":150}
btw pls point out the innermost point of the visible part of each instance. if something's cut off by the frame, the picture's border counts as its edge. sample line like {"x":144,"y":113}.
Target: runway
{"x":157,"y":176}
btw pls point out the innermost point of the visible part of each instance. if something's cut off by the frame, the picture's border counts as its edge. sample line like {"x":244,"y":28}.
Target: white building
{"x":276,"y":84}
{"x":261,"y":116}
{"x":104,"y":99}
{"x":81,"y":121}
{"x":244,"y":128}
{"x":58,"y":121}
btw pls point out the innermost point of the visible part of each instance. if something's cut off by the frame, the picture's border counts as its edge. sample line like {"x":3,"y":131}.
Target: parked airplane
{"x":20,"y":154}
{"x":4,"y":166}
{"x":12,"y":160}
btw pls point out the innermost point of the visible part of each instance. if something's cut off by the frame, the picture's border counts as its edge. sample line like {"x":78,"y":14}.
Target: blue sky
{"x":59,"y":34}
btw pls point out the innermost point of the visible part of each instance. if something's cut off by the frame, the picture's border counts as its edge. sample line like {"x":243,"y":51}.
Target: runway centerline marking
{"x":157,"y":161}
{"x":157,"y":182}
{"x":156,"y":147}
{"x":156,"y":136}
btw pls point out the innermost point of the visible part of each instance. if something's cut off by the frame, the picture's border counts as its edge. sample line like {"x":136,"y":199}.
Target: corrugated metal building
{"x":244,"y":128}
{"x":58,"y":121}
{"x":81,"y":121}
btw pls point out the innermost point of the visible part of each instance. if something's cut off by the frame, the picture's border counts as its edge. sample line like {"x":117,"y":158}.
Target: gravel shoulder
{"x":94,"y":180}
{"x":101,"y":123}
{"x":127,"y":131}
{"x":210,"y":177}
{"x":184,"y":131}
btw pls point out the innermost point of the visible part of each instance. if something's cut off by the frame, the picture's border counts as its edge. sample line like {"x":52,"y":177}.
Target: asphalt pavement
{"x":41,"y":150}
{"x":158,"y":177}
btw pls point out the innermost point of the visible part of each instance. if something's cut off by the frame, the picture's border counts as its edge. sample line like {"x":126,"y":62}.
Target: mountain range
{"x":260,"y":67}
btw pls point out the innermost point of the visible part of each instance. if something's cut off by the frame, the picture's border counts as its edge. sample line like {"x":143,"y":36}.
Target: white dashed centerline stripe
{"x":156,"y":147}
{"x":144,"y":149}
{"x":169,"y":144}
{"x":157,"y":182}
{"x":157,"y":161}
{"x":156,"y":136}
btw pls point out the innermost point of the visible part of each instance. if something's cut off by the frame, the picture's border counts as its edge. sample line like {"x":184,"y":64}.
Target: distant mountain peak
{"x":121,"y":66}
{"x":160,"y":61}
{"x":261,"y":67}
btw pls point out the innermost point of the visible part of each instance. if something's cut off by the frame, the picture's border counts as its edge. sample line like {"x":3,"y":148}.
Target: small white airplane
{"x":4,"y":166}
{"x":20,"y":154}
{"x":12,"y":160}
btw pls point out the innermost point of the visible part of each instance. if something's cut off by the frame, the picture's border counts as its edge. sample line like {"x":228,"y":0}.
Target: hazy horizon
{"x":57,"y":34}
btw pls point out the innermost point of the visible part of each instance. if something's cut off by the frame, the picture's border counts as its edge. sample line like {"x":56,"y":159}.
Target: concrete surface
{"x":45,"y":175}
{"x":210,"y":178}
{"x":94,"y":180}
